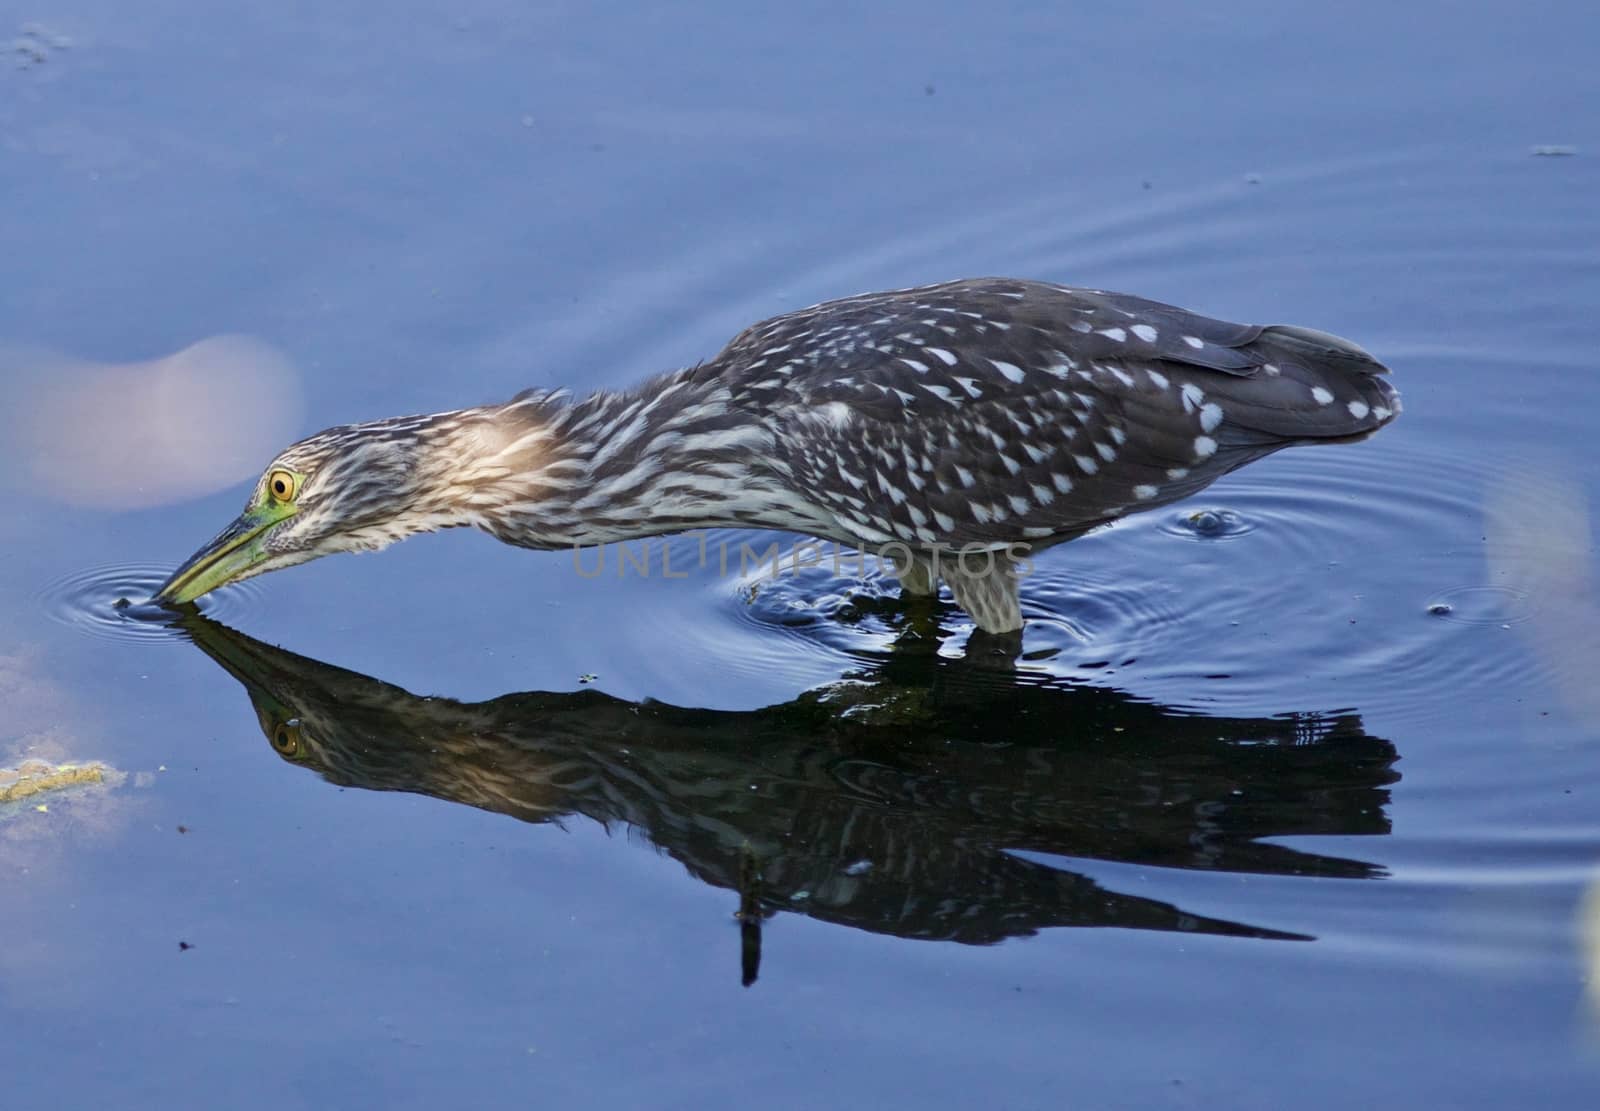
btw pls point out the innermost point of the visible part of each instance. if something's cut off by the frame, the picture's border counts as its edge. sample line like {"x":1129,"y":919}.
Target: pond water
{"x":1292,"y":798}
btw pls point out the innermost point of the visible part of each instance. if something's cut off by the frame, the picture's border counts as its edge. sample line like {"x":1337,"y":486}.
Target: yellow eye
{"x":281,"y":485}
{"x":285,"y":737}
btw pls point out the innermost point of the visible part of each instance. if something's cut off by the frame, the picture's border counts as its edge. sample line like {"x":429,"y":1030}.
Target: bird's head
{"x":352,"y":488}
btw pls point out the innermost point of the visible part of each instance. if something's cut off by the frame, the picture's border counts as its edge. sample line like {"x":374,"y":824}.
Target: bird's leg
{"x":984,"y":583}
{"x":919,"y":594}
{"x":916,"y":574}
{"x":749,"y":915}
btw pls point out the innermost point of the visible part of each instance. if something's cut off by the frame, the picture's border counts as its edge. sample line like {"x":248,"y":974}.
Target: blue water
{"x":1301,"y":810}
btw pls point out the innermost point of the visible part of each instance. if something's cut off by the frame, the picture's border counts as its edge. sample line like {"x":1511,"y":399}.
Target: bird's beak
{"x":231,"y":553}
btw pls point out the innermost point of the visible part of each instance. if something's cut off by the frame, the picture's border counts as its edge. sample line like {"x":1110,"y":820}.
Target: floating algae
{"x":39,"y":777}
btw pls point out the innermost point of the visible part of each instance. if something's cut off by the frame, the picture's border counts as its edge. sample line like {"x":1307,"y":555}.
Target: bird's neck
{"x":673,"y":455}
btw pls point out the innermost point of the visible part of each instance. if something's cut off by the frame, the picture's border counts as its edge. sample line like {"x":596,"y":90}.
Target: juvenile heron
{"x":954,"y":428}
{"x":895,"y":762}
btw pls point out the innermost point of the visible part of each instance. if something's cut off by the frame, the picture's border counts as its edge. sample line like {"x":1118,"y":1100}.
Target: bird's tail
{"x":1310,"y":386}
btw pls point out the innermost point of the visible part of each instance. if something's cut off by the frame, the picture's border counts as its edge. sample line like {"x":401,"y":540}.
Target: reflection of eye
{"x":285,"y":737}
{"x":280,"y":484}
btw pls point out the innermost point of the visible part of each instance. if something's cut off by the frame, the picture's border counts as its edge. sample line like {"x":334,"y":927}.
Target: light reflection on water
{"x":133,"y":435}
{"x":1540,"y":545}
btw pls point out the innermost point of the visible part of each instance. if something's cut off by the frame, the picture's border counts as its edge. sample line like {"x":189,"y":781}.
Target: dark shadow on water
{"x":909,"y":799}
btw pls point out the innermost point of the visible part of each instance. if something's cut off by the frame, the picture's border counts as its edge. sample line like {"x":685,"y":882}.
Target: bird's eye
{"x":281,"y":485}
{"x":286,"y":737}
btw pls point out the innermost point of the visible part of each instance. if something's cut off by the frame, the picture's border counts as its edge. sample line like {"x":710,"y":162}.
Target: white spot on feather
{"x":1114,"y":334}
{"x":1144,"y":493}
{"x":942,"y":355}
{"x":835,"y":414}
{"x":1144,"y":332}
{"x":1210,"y":416}
{"x":1321,"y":396}
{"x":1194,"y":341}
{"x":1193,"y":396}
{"x":1159,"y":379}
{"x":1085,"y":464}
{"x":1010,"y":370}
{"x":1358,"y":409}
{"x":896,"y":494}
{"x":1204,"y":447}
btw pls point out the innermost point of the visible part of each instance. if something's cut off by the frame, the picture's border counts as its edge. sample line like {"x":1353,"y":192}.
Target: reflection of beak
{"x":247,"y":660}
{"x":231,"y":553}
{"x":275,"y":674}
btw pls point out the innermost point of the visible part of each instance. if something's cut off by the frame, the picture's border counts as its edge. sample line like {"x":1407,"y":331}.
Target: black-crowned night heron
{"x":878,"y":802}
{"x":954,"y":429}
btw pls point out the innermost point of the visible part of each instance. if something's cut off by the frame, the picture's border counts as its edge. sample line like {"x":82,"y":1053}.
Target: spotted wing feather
{"x":996,"y":411}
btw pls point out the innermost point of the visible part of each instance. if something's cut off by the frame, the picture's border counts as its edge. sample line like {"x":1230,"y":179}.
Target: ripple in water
{"x":1208,"y":523}
{"x":1085,"y":620}
{"x":112,"y":603}
{"x":1304,"y":600}
{"x":1482,"y":605}
{"x":1315,"y":596}
{"x":841,"y":617}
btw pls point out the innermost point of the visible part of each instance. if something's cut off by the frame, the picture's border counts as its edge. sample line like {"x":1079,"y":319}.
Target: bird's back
{"x":996,"y":411}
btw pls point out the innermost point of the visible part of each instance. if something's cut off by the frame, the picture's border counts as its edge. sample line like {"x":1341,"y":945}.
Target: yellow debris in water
{"x":35,"y":777}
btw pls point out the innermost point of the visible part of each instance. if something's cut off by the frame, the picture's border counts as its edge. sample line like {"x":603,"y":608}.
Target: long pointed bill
{"x":231,"y":553}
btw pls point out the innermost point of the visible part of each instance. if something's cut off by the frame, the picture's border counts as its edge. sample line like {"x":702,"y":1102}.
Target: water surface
{"x":1290,"y":797}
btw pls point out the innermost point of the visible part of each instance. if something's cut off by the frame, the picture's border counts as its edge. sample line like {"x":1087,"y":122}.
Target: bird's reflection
{"x":911,"y":799}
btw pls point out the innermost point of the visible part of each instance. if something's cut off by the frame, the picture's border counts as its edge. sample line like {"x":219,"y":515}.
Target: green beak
{"x":231,"y":553}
